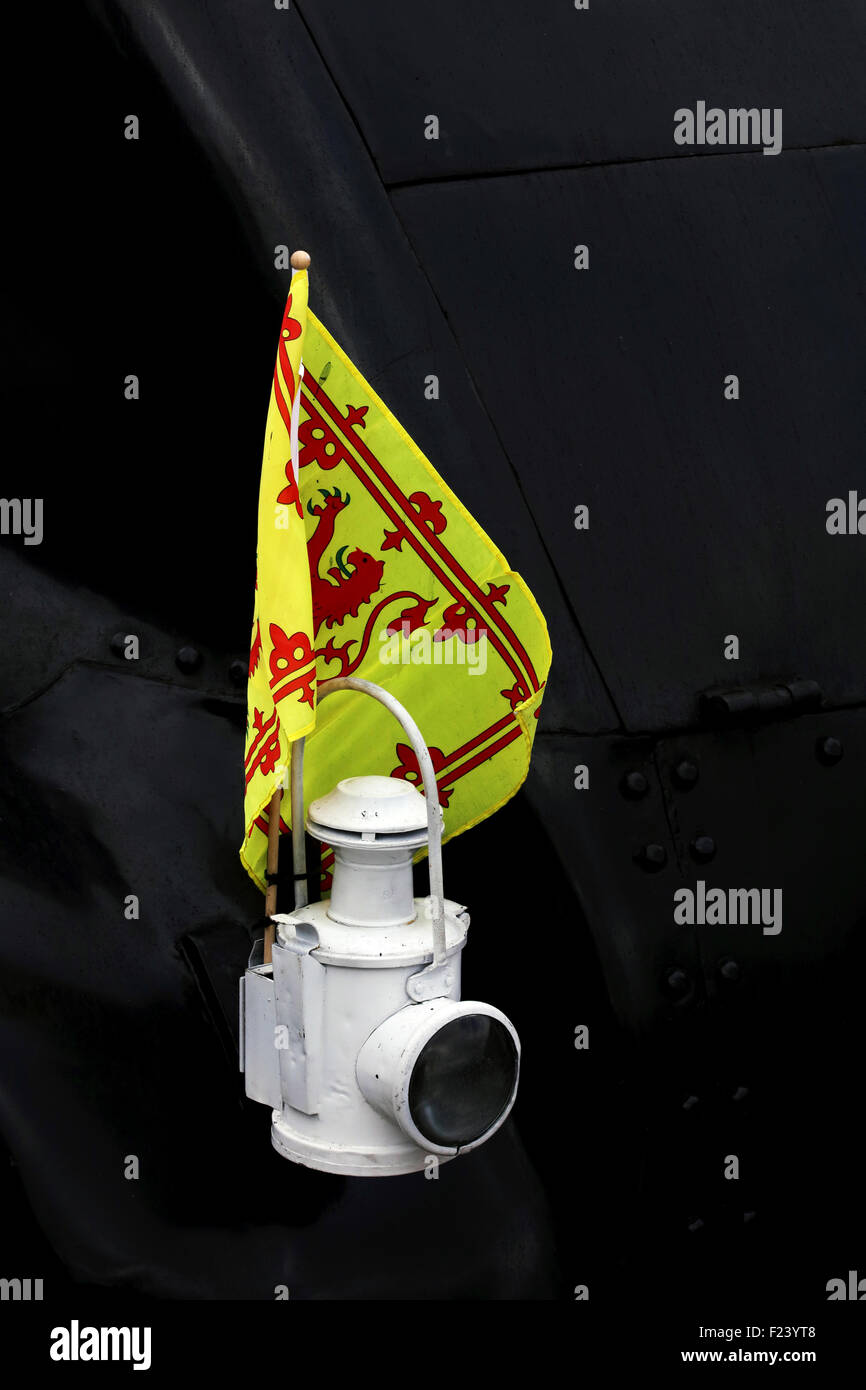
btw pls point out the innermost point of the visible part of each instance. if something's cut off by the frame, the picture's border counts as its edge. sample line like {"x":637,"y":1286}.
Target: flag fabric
{"x":406,"y":590}
{"x":281,"y":692}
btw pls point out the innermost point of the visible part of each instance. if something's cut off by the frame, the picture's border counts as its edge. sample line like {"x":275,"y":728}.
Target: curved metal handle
{"x":431,"y":793}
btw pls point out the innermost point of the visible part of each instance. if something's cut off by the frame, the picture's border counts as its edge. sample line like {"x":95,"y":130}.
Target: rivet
{"x":238,"y":672}
{"x":188,"y":660}
{"x":677,"y":981}
{"x":829,"y":751}
{"x":651,"y":858}
{"x":703,"y":849}
{"x":730,"y":970}
{"x":118,"y":643}
{"x":686,"y":773}
{"x":634,"y":785}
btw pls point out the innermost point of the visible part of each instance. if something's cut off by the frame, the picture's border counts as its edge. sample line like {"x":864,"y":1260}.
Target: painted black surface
{"x":543,"y":85}
{"x":706,"y":515}
{"x":558,"y":387}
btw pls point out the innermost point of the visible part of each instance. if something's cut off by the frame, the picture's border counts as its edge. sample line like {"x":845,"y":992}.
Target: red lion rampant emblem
{"x":334,"y":602}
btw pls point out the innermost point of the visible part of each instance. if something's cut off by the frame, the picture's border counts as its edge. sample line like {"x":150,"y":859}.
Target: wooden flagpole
{"x":300,"y":260}
{"x":273,"y":864}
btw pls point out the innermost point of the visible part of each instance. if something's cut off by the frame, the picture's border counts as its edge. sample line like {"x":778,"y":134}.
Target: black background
{"x":558,"y":387}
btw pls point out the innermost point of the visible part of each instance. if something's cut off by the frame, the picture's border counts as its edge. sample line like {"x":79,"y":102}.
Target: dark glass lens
{"x":463,"y":1080}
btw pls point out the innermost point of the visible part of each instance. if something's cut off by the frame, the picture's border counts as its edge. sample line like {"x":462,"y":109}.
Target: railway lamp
{"x":355,"y":1033}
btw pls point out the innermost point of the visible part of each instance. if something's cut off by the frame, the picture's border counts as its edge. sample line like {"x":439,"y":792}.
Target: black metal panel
{"x":777,"y":812}
{"x":542,"y":84}
{"x":707,"y":515}
{"x":746,"y":1040}
{"x":51,"y":631}
{"x":299,"y":174}
{"x":602,"y":386}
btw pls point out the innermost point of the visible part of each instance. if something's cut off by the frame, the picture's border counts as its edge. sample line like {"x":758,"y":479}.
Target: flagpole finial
{"x":300,"y":260}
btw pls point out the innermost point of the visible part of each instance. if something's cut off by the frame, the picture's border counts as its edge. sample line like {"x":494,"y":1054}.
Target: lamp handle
{"x":431,"y":793}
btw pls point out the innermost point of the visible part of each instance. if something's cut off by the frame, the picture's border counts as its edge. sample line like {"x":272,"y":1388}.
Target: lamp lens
{"x":463,"y":1080}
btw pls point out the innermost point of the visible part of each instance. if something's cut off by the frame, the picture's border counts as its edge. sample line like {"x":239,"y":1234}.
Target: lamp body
{"x":370,"y":1062}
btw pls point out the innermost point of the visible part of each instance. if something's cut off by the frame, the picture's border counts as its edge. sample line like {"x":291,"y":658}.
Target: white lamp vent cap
{"x":370,"y":806}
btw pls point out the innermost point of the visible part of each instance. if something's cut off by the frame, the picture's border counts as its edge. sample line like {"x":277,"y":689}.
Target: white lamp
{"x":355,"y":1034}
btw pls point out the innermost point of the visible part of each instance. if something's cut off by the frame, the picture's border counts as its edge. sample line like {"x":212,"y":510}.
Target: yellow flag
{"x":407,"y":591}
{"x":281,"y":693}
